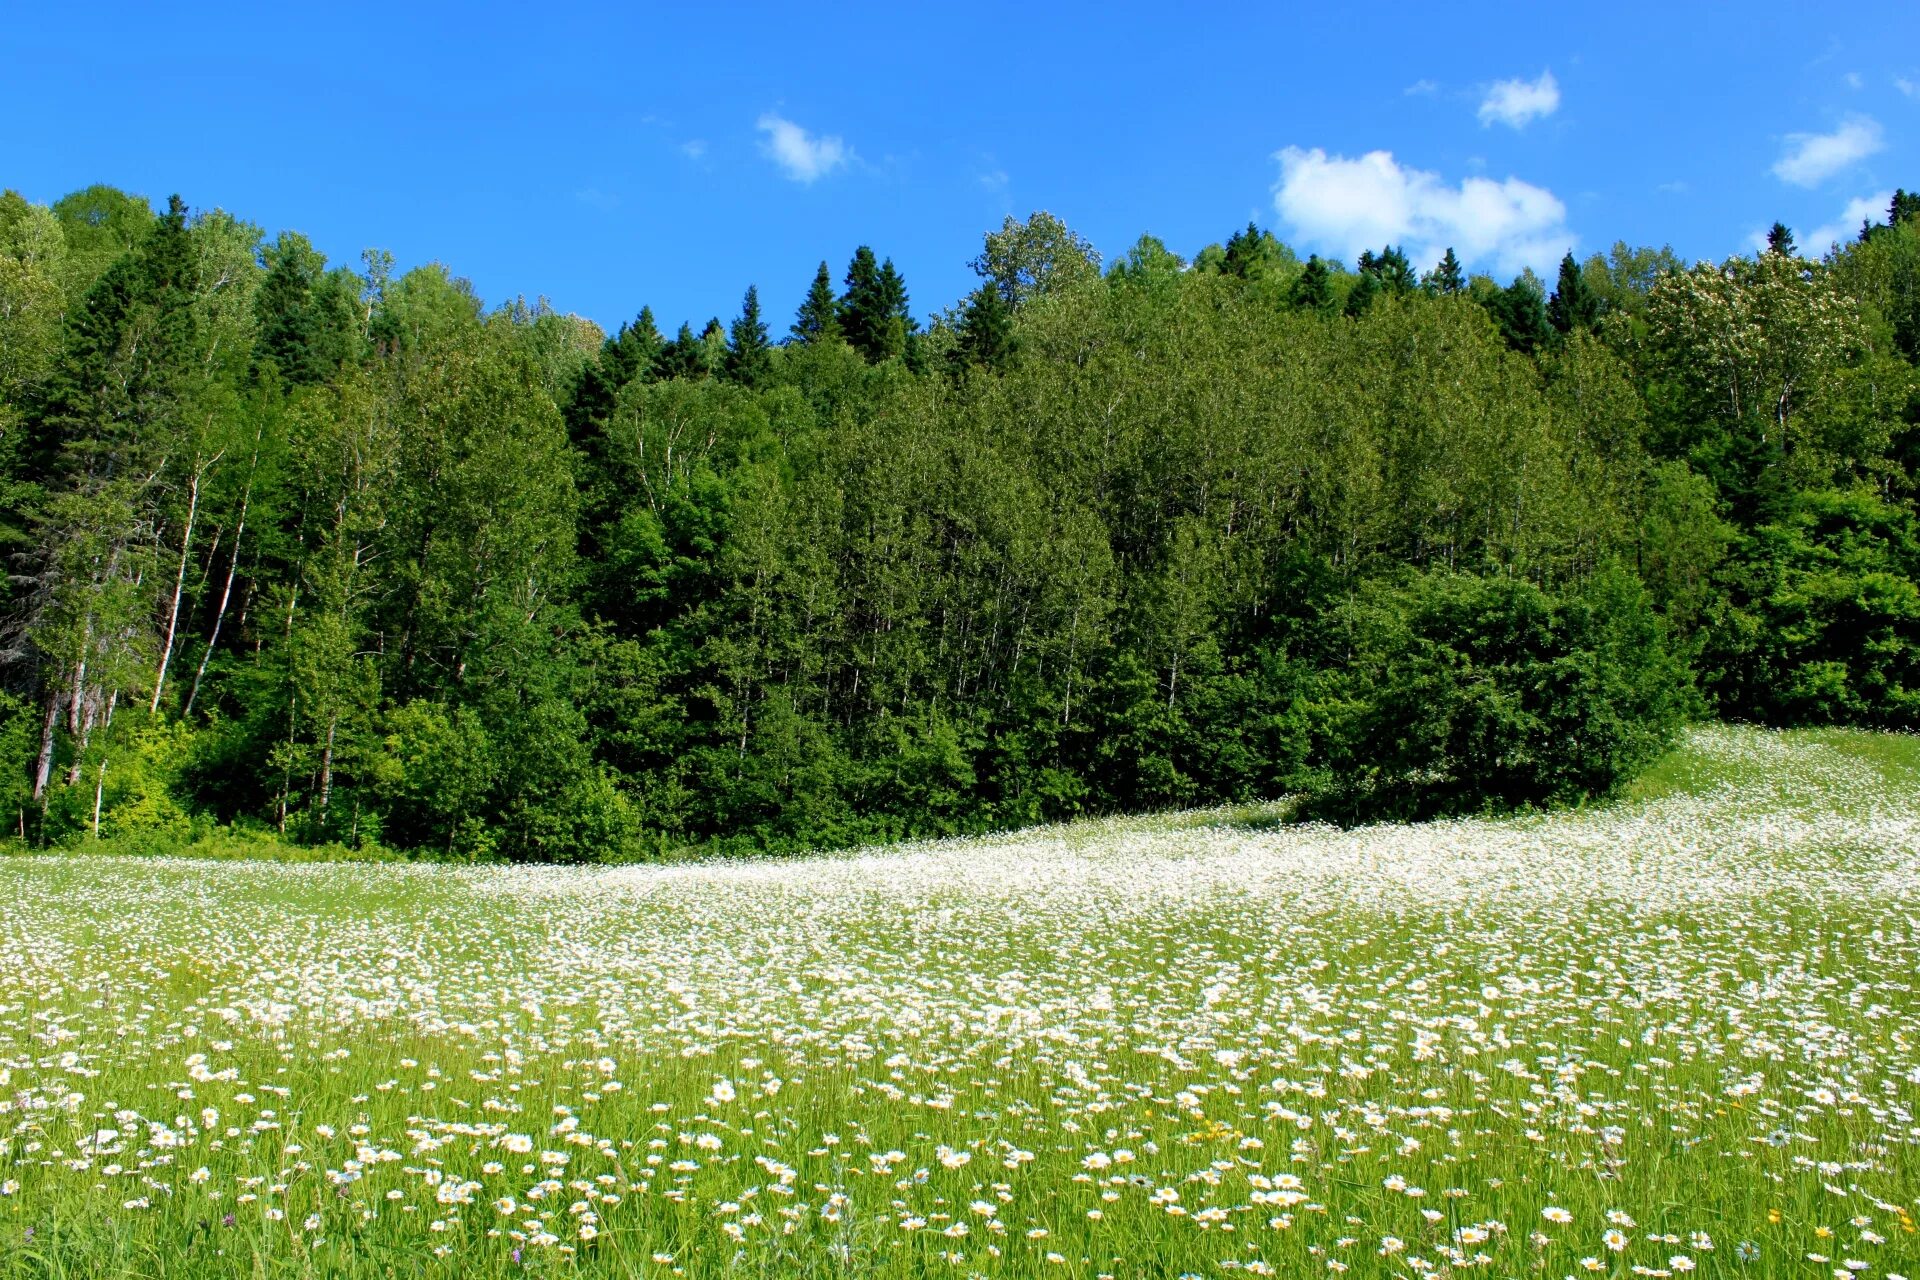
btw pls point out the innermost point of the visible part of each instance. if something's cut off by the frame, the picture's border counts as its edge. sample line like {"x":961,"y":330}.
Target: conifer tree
{"x":1573,"y":305}
{"x":631,"y":353}
{"x":1393,"y":271}
{"x":1244,"y":258}
{"x":747,"y":345}
{"x":1446,"y":279}
{"x":1366,"y":287}
{"x":986,"y":330}
{"x":873,"y":311}
{"x":1313,"y":291}
{"x":1520,"y":312}
{"x":685,"y":356}
{"x":1780,"y":240}
{"x":819,"y":316}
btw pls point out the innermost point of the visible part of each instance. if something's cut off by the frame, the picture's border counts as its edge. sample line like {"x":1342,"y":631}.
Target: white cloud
{"x":1346,"y":205}
{"x":1853,"y":79}
{"x":1421,"y":88}
{"x":1812,"y":158}
{"x":1515,"y":102}
{"x":1909,"y":87}
{"x":694,"y":148}
{"x":1815,"y":243}
{"x":800,"y":154}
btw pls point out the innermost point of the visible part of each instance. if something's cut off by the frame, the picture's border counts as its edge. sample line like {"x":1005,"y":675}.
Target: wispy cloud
{"x":1812,"y":158}
{"x":1909,"y":87}
{"x":802,"y":156}
{"x":595,"y":198}
{"x":1815,"y":243}
{"x":1516,"y":102}
{"x":1421,"y":88}
{"x":694,"y":148}
{"x":1346,"y":205}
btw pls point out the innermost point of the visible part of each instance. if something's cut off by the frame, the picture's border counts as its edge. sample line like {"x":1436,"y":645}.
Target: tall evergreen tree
{"x":632,"y":353}
{"x":1244,"y":253}
{"x":873,"y":311}
{"x":1574,"y":305}
{"x":747,"y":345}
{"x":1366,"y":288}
{"x":986,"y":329}
{"x":1313,"y":290}
{"x":685,"y":356}
{"x":1780,"y":240}
{"x":1394,"y":272}
{"x":819,"y":316}
{"x":1520,"y":312}
{"x":1446,"y":279}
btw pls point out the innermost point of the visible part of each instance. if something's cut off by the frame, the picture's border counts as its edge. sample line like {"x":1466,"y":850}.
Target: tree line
{"x":325,"y":554}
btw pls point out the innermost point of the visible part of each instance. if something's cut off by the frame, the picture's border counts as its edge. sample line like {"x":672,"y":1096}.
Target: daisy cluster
{"x":1671,"y":1036}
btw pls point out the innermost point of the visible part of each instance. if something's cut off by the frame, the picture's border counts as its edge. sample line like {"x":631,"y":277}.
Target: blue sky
{"x":612,"y":155}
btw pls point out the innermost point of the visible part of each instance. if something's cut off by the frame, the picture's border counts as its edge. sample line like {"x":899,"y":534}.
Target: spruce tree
{"x":1446,"y":279}
{"x":1520,"y":312}
{"x":684,"y":356}
{"x":747,"y":345}
{"x":1244,"y":257}
{"x":1573,"y":305}
{"x":819,"y":315}
{"x":632,"y":353}
{"x":1780,"y":240}
{"x":873,"y":311}
{"x":1313,"y":290}
{"x":986,"y":330}
{"x":1366,"y":287}
{"x":1393,"y":271}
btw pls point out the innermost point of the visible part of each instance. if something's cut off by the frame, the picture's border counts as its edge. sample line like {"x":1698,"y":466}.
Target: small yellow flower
{"x":1773,"y":1215}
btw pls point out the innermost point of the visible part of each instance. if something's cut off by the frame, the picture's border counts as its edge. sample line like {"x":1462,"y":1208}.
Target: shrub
{"x":1471,"y":695}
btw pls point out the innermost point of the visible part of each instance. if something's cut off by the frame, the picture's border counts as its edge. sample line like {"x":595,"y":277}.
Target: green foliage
{"x":345,"y":559}
{"x":1820,"y":620}
{"x":1028,"y":260}
{"x":1470,"y":695}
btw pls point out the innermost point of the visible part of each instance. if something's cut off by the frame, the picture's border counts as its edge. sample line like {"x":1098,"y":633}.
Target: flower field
{"x":1679,"y":1034}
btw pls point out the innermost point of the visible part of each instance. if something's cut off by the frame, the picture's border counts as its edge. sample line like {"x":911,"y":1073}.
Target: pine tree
{"x":747,"y":346}
{"x":1780,"y":240}
{"x":1366,"y":287}
{"x":1394,"y":272}
{"x":819,"y":315}
{"x":685,"y":356}
{"x":1574,"y":304}
{"x":873,"y":311}
{"x":1905,"y":205}
{"x":632,"y":353}
{"x":986,"y":330}
{"x":1244,"y":254}
{"x":1313,"y":291}
{"x":1446,"y":279}
{"x":1520,"y":312}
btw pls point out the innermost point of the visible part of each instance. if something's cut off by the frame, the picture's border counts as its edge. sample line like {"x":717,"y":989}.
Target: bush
{"x":1477,"y":695}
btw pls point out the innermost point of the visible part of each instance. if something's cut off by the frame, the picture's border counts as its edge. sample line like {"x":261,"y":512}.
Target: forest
{"x":326,"y":556}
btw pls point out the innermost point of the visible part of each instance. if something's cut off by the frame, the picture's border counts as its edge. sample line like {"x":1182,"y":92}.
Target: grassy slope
{"x":1152,"y":1047}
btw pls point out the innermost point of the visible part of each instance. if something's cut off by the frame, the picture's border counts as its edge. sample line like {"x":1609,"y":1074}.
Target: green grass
{"x":1693,"y":1009}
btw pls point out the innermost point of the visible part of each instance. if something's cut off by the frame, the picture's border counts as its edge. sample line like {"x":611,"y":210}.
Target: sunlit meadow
{"x":1679,"y":1034}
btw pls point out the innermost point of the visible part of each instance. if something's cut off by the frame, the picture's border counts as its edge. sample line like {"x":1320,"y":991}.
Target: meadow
{"x":1678,"y":1033}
